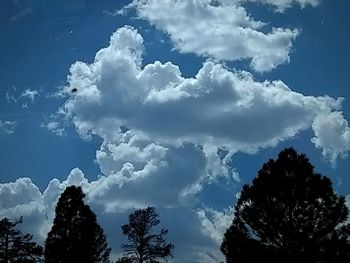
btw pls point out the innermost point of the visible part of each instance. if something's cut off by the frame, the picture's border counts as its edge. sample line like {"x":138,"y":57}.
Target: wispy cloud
{"x":27,"y":96}
{"x":30,"y":94}
{"x":54,"y":127}
{"x":10,"y":98}
{"x":8,"y":126}
{"x":282,"y":5}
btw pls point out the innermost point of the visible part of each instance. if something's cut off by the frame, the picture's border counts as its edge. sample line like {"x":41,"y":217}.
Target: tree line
{"x":76,"y":236}
{"x":289,"y":213}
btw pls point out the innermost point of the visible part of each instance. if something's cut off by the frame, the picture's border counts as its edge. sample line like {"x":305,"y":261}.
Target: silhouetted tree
{"x":123,"y":260}
{"x":76,"y":235}
{"x":16,"y":247}
{"x":145,"y":246}
{"x":288,"y":214}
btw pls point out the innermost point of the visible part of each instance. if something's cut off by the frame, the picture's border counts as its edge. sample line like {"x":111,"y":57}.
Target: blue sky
{"x":235,"y":82}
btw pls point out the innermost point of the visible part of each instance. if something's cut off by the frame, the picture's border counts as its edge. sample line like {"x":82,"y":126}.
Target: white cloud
{"x":166,"y":136}
{"x":155,"y":174}
{"x":18,"y":193}
{"x":332,"y":135}
{"x":54,"y":127}
{"x":281,"y":5}
{"x":214,"y":223}
{"x":216,"y":108}
{"x":23,"y":198}
{"x":347,"y":202}
{"x":29,"y":94}
{"x":24,"y":105}
{"x":223,"y":31}
{"x":10,"y":98}
{"x":7,"y":126}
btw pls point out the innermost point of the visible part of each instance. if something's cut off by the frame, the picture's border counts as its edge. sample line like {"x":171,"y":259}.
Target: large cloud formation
{"x":222,"y":30}
{"x":218,"y":107}
{"x":23,"y":198}
{"x":166,"y":137}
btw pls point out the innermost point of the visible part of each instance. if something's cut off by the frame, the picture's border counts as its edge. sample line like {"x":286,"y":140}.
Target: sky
{"x":174,"y":104}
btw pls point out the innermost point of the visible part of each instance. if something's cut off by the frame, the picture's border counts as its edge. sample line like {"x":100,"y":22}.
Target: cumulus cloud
{"x":7,"y":126}
{"x":332,"y":135}
{"x":23,"y":198}
{"x":165,"y":137}
{"x":216,"y":108}
{"x":156,"y":174}
{"x":214,"y":223}
{"x":222,"y":30}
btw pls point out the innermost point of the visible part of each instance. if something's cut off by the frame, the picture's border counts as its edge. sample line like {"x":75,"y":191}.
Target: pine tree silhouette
{"x":75,"y":235}
{"x":16,"y":247}
{"x":288,"y":214}
{"x":144,"y":245}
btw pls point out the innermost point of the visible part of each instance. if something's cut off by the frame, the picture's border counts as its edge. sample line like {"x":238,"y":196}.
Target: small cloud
{"x":282,"y":5}
{"x":10,"y":98}
{"x":54,"y":127}
{"x":61,"y":92}
{"x":7,"y":126}
{"x":29,"y":94}
{"x":109,"y":13}
{"x":13,"y":96}
{"x":20,"y":15}
{"x":25,"y":105}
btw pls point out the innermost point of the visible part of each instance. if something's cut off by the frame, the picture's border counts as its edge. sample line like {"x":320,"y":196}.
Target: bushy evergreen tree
{"x":288,"y":214}
{"x":76,"y":235}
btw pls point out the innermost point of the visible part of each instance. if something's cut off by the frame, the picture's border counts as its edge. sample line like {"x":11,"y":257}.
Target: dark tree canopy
{"x":76,"y":235}
{"x":123,"y":260}
{"x":288,"y":214}
{"x":16,"y":247}
{"x":144,"y":245}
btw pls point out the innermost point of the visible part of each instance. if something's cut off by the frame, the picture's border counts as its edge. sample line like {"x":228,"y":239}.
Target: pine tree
{"x":16,"y":247}
{"x":144,"y":245}
{"x":76,"y":235}
{"x":288,"y":214}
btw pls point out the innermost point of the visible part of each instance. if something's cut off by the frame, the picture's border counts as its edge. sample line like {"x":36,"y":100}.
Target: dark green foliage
{"x":144,"y":246}
{"x":288,"y":214}
{"x":16,"y":247}
{"x":76,"y":235}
